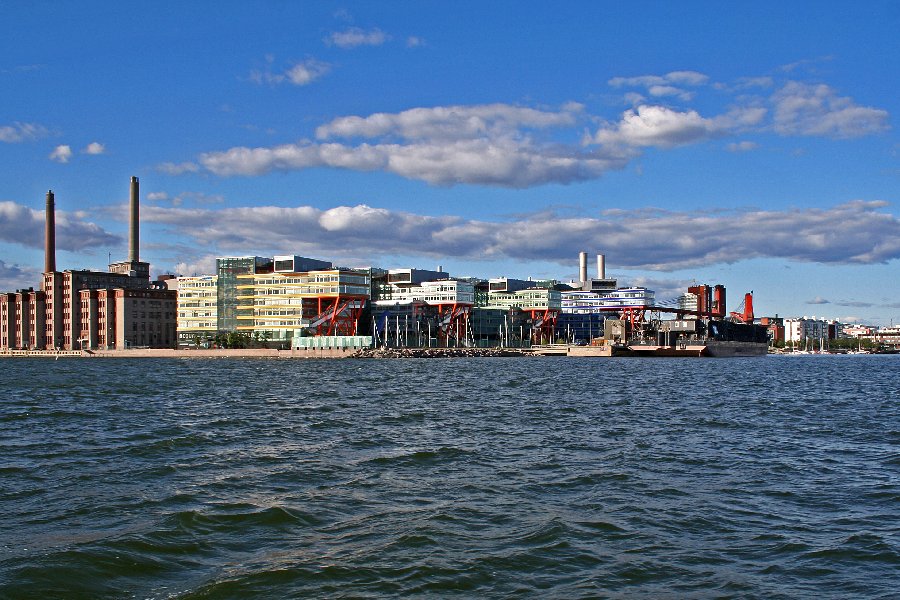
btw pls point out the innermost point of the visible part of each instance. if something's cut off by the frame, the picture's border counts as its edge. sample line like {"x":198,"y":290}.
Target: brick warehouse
{"x":82,"y":309}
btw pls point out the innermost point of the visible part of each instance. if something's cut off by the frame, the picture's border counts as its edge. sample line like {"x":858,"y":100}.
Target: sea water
{"x":769,"y":477}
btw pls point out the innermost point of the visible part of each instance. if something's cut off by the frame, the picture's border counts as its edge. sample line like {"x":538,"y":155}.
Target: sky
{"x":690,"y":142}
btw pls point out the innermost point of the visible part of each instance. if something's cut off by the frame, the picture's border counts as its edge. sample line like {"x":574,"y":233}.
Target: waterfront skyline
{"x":756,"y":149}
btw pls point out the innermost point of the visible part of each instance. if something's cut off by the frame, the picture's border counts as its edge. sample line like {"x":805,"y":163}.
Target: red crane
{"x":744,"y":313}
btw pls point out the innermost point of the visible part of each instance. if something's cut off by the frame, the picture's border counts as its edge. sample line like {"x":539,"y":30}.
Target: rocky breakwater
{"x":436,"y":352}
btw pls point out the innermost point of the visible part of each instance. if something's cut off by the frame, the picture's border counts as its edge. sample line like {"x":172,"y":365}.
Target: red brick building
{"x":76,"y":310}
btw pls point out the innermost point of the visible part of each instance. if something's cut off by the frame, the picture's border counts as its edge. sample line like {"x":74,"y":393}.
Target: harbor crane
{"x":744,"y":313}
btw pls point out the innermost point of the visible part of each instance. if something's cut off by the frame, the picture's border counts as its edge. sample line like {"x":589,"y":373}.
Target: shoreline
{"x":343,"y":353}
{"x":297,"y":353}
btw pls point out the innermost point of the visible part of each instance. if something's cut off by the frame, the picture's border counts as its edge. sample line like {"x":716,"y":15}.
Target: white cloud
{"x":20,"y":132}
{"x":805,"y":63}
{"x":818,"y":300}
{"x":306,"y":72}
{"x":488,"y":145}
{"x":817,"y":110}
{"x":687,"y":78}
{"x":666,"y":128}
{"x":61,"y":154}
{"x":502,"y":162}
{"x":744,"y":146}
{"x":852,"y":233}
{"x":659,"y":91}
{"x":798,"y":109}
{"x":94,"y":148}
{"x":301,"y":73}
{"x":744,"y":83}
{"x":25,"y":226}
{"x":514,"y":146}
{"x":414,"y":42}
{"x":634,"y":99}
{"x":355,"y":37}
{"x":691,"y":78}
{"x":178,"y":169}
{"x":660,"y":86}
{"x":202,"y":265}
{"x":450,"y":122}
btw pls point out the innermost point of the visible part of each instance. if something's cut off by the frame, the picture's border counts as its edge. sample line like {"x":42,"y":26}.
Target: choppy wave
{"x":501,"y":478}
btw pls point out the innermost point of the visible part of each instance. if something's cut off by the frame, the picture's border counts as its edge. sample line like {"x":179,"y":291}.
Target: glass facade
{"x":228,"y":269}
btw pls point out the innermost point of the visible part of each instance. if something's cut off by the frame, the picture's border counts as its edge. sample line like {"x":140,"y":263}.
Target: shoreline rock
{"x":438,"y":352}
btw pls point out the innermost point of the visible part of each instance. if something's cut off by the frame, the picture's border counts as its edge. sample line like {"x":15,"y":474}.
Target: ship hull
{"x":727,"y":349}
{"x":712,"y":348}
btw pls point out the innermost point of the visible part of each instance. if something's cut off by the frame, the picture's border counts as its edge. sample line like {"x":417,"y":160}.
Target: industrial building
{"x":82,"y":309}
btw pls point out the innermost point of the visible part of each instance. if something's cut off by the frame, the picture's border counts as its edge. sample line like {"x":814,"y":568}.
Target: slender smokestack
{"x":50,"y":235}
{"x":582,"y":266}
{"x":134,"y":228}
{"x":601,"y":266}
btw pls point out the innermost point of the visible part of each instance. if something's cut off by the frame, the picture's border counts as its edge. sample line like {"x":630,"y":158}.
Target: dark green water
{"x":776,"y":477}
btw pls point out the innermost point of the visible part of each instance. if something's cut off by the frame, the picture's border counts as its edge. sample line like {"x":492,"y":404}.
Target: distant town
{"x":291,"y":302}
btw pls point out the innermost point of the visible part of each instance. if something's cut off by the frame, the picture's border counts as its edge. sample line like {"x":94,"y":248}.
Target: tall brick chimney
{"x":50,"y":234}
{"x":134,"y":231}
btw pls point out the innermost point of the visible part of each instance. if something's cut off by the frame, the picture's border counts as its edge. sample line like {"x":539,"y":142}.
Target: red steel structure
{"x":543,"y":323}
{"x":338,"y":315}
{"x":453,"y":321}
{"x":744,"y":313}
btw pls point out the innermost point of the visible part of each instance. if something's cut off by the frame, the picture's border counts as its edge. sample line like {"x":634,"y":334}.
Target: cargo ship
{"x":699,"y":330}
{"x":702,"y":338}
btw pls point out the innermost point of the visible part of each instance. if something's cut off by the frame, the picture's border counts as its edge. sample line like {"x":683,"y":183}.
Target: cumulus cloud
{"x":817,"y":110}
{"x":61,"y":154}
{"x":414,"y":41}
{"x":21,"y":132}
{"x":301,"y":73}
{"x":515,"y":146}
{"x":664,"y":127}
{"x":355,"y":37}
{"x":502,"y":162}
{"x":818,"y":300}
{"x":487,"y":145}
{"x":25,"y":226}
{"x":94,"y":148}
{"x":852,"y":233}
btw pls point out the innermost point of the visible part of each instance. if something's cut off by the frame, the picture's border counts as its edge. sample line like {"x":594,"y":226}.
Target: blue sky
{"x":690,"y":142}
